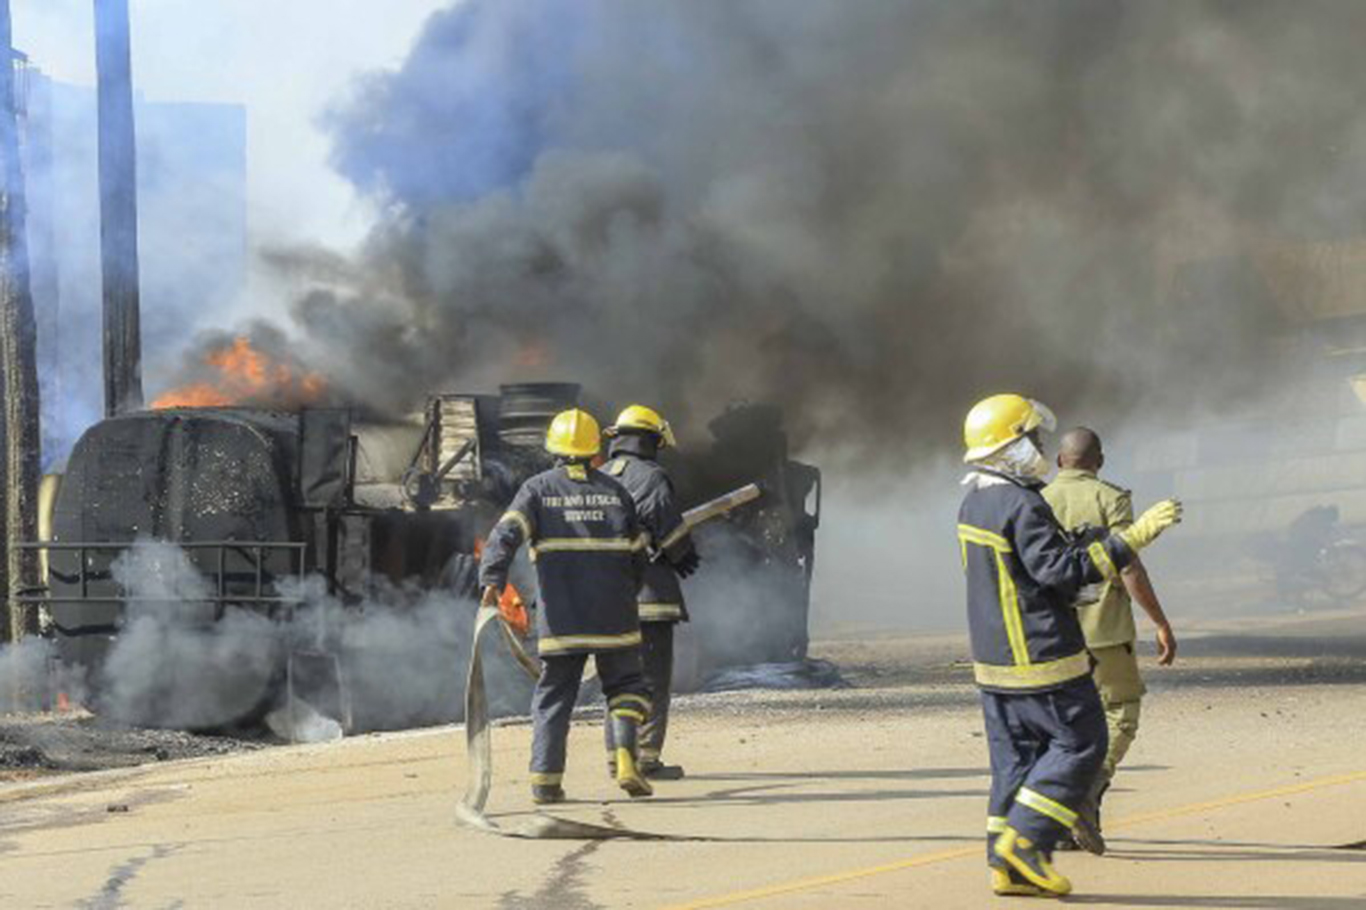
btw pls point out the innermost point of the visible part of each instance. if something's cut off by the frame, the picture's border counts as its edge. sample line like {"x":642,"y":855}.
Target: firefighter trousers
{"x":557,"y":689}
{"x":1046,"y":749}
{"x":657,"y":660}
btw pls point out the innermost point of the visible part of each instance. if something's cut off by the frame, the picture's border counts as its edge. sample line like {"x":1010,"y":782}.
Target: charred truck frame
{"x":257,"y":499}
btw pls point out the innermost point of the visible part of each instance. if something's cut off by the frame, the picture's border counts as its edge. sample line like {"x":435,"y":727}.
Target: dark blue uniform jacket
{"x":661,"y":594}
{"x":1023,"y":575}
{"x":589,"y":551}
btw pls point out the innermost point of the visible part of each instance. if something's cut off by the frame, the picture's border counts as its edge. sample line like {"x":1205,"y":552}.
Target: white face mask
{"x":1038,"y":465}
{"x":1021,"y":458}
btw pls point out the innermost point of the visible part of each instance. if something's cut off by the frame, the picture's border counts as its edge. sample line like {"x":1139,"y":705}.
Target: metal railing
{"x":84,"y":575}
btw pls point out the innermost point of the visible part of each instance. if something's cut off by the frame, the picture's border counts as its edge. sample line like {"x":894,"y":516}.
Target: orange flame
{"x":514,"y":611}
{"x":245,"y":375}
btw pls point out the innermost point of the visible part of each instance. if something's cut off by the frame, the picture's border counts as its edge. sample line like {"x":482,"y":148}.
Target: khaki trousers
{"x":1121,"y":693}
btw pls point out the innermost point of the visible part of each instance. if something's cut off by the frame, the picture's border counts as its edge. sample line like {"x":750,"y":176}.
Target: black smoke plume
{"x":871,"y":213}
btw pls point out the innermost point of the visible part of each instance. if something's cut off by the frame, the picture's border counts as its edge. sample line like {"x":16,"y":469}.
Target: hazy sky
{"x":285,"y":60}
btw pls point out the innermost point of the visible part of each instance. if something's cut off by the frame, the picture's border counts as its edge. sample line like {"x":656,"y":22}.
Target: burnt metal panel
{"x":325,"y":458}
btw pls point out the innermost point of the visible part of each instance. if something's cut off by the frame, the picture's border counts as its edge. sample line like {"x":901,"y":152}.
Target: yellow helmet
{"x":995,"y":422}
{"x":639,"y":417}
{"x":573,"y":434}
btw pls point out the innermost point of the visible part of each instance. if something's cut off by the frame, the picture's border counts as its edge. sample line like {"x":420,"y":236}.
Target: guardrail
{"x":255,"y":551}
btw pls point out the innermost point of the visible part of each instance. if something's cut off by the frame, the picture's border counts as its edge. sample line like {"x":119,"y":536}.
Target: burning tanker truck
{"x":269,"y":511}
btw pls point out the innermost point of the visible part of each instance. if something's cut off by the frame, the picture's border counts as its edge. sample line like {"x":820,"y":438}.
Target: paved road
{"x":1236,"y":796}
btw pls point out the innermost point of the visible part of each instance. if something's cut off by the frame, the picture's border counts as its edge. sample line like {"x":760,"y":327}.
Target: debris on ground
{"x":800,"y":674}
{"x":36,"y":744}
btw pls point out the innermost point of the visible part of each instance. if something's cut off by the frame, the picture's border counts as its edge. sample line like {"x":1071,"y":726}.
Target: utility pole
{"x":18,"y":356}
{"x":118,"y":210}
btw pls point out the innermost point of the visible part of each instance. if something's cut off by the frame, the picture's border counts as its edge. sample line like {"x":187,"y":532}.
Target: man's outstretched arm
{"x":1140,"y":588}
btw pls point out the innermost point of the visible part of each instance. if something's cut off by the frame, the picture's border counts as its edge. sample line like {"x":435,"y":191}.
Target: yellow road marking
{"x":806,"y":884}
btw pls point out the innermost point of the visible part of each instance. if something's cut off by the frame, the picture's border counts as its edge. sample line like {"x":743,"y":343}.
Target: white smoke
{"x":24,"y":682}
{"x":400,"y":656}
{"x":172,"y":664}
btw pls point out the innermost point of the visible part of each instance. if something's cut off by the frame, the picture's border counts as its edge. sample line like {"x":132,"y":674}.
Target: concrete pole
{"x":118,"y":210}
{"x":18,"y":356}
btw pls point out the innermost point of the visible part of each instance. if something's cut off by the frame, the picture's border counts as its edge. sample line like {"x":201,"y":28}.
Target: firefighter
{"x":1045,"y":725}
{"x":637,"y":438}
{"x":586,"y":541}
{"x":1081,"y":500}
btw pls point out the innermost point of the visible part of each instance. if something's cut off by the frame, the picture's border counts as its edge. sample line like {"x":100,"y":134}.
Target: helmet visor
{"x":1043,"y":418}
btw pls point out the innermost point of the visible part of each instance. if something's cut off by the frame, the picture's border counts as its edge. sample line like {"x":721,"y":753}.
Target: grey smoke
{"x":23,"y":675}
{"x":870,"y":213}
{"x":403,"y":652}
{"x":172,"y":665}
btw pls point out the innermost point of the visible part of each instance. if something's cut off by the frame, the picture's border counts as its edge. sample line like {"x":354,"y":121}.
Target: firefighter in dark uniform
{"x":589,"y":550}
{"x":1045,"y":724}
{"x":637,"y":437}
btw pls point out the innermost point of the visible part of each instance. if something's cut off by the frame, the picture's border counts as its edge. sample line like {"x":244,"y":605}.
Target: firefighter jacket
{"x":633,"y":463}
{"x":585,"y":540}
{"x":1023,"y":576}
{"x":1080,"y":500}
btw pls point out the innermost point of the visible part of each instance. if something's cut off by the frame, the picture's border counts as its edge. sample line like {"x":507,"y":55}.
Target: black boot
{"x":546,"y":788}
{"x":547,"y":794}
{"x":629,"y":777}
{"x":1087,"y":831}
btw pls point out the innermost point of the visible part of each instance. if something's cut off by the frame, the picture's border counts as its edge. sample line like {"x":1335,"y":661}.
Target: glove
{"x":1151,"y":523}
{"x":688,"y":564}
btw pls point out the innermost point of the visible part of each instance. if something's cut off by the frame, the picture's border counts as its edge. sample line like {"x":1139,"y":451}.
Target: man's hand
{"x":490,"y":598}
{"x":1140,"y":588}
{"x":1166,"y":645}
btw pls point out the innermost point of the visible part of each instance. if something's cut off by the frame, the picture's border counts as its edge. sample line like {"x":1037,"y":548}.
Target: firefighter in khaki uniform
{"x":586,"y":541}
{"x":1081,"y":500}
{"x":637,"y":437}
{"x":1044,"y":721}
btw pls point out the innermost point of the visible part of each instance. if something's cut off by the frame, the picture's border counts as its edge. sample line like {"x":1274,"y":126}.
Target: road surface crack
{"x":110,"y":896}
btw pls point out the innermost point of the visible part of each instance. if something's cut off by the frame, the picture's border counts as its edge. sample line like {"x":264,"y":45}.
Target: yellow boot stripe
{"x":547,"y":778}
{"x":629,"y":714}
{"x":1045,"y":806}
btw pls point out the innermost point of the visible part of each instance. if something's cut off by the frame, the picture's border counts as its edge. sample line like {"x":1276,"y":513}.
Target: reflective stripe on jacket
{"x":661,"y":593}
{"x":585,"y":539}
{"x":1023,"y":575}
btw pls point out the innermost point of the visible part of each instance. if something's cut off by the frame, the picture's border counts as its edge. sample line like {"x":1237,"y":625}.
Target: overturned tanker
{"x":375,"y":513}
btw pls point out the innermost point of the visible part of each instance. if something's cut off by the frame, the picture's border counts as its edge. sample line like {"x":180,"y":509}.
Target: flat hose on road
{"x":479,"y":745}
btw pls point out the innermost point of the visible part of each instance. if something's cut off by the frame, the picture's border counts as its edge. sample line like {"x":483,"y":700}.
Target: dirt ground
{"x":1246,"y":789}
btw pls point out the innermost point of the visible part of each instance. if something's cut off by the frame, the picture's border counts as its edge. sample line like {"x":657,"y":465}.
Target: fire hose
{"x":479,"y":749}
